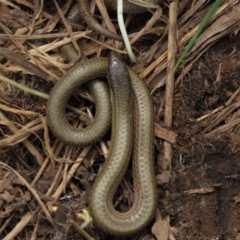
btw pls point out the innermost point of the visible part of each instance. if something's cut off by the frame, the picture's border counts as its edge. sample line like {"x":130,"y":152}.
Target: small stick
{"x":102,"y":8}
{"x":80,"y":230}
{"x":68,"y":28}
{"x":172,"y":48}
{"x":25,"y":219}
{"x":31,"y":148}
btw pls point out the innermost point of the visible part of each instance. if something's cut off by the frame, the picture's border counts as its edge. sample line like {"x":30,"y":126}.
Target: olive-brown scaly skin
{"x":145,"y":201}
{"x":124,"y":136}
{"x":128,"y":8}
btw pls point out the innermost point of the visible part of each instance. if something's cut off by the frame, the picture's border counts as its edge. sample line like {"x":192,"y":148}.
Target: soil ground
{"x":209,"y":164}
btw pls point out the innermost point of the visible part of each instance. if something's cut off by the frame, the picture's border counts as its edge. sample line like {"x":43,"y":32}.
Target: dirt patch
{"x":13,"y":201}
{"x":203,"y":199}
{"x":204,"y":192}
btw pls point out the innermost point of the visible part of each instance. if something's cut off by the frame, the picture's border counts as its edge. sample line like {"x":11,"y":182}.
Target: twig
{"x":38,"y":36}
{"x":37,"y":93}
{"x":68,"y":28}
{"x":71,"y":172}
{"x":20,"y":226}
{"x":31,"y":148}
{"x":31,"y":189}
{"x":172,"y":48}
{"x":102,"y":9}
{"x":6,"y":222}
{"x":58,"y":146}
{"x":80,"y":230}
{"x":23,"y":87}
{"x":165,"y":134}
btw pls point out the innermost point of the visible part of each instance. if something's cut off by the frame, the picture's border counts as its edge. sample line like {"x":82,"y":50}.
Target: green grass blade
{"x":204,"y":22}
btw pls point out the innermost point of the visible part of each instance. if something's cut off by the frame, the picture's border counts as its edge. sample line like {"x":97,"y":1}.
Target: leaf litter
{"x":198,"y":192}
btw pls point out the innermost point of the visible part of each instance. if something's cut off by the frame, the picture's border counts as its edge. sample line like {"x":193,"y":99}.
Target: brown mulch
{"x":198,"y":188}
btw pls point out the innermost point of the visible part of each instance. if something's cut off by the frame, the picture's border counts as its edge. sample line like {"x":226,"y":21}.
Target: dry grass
{"x":30,"y":32}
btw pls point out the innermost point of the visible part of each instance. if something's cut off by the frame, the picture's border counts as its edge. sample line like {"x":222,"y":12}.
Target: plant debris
{"x":198,"y":191}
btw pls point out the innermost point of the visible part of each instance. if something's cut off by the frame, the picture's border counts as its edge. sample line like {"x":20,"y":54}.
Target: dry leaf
{"x":161,"y":228}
